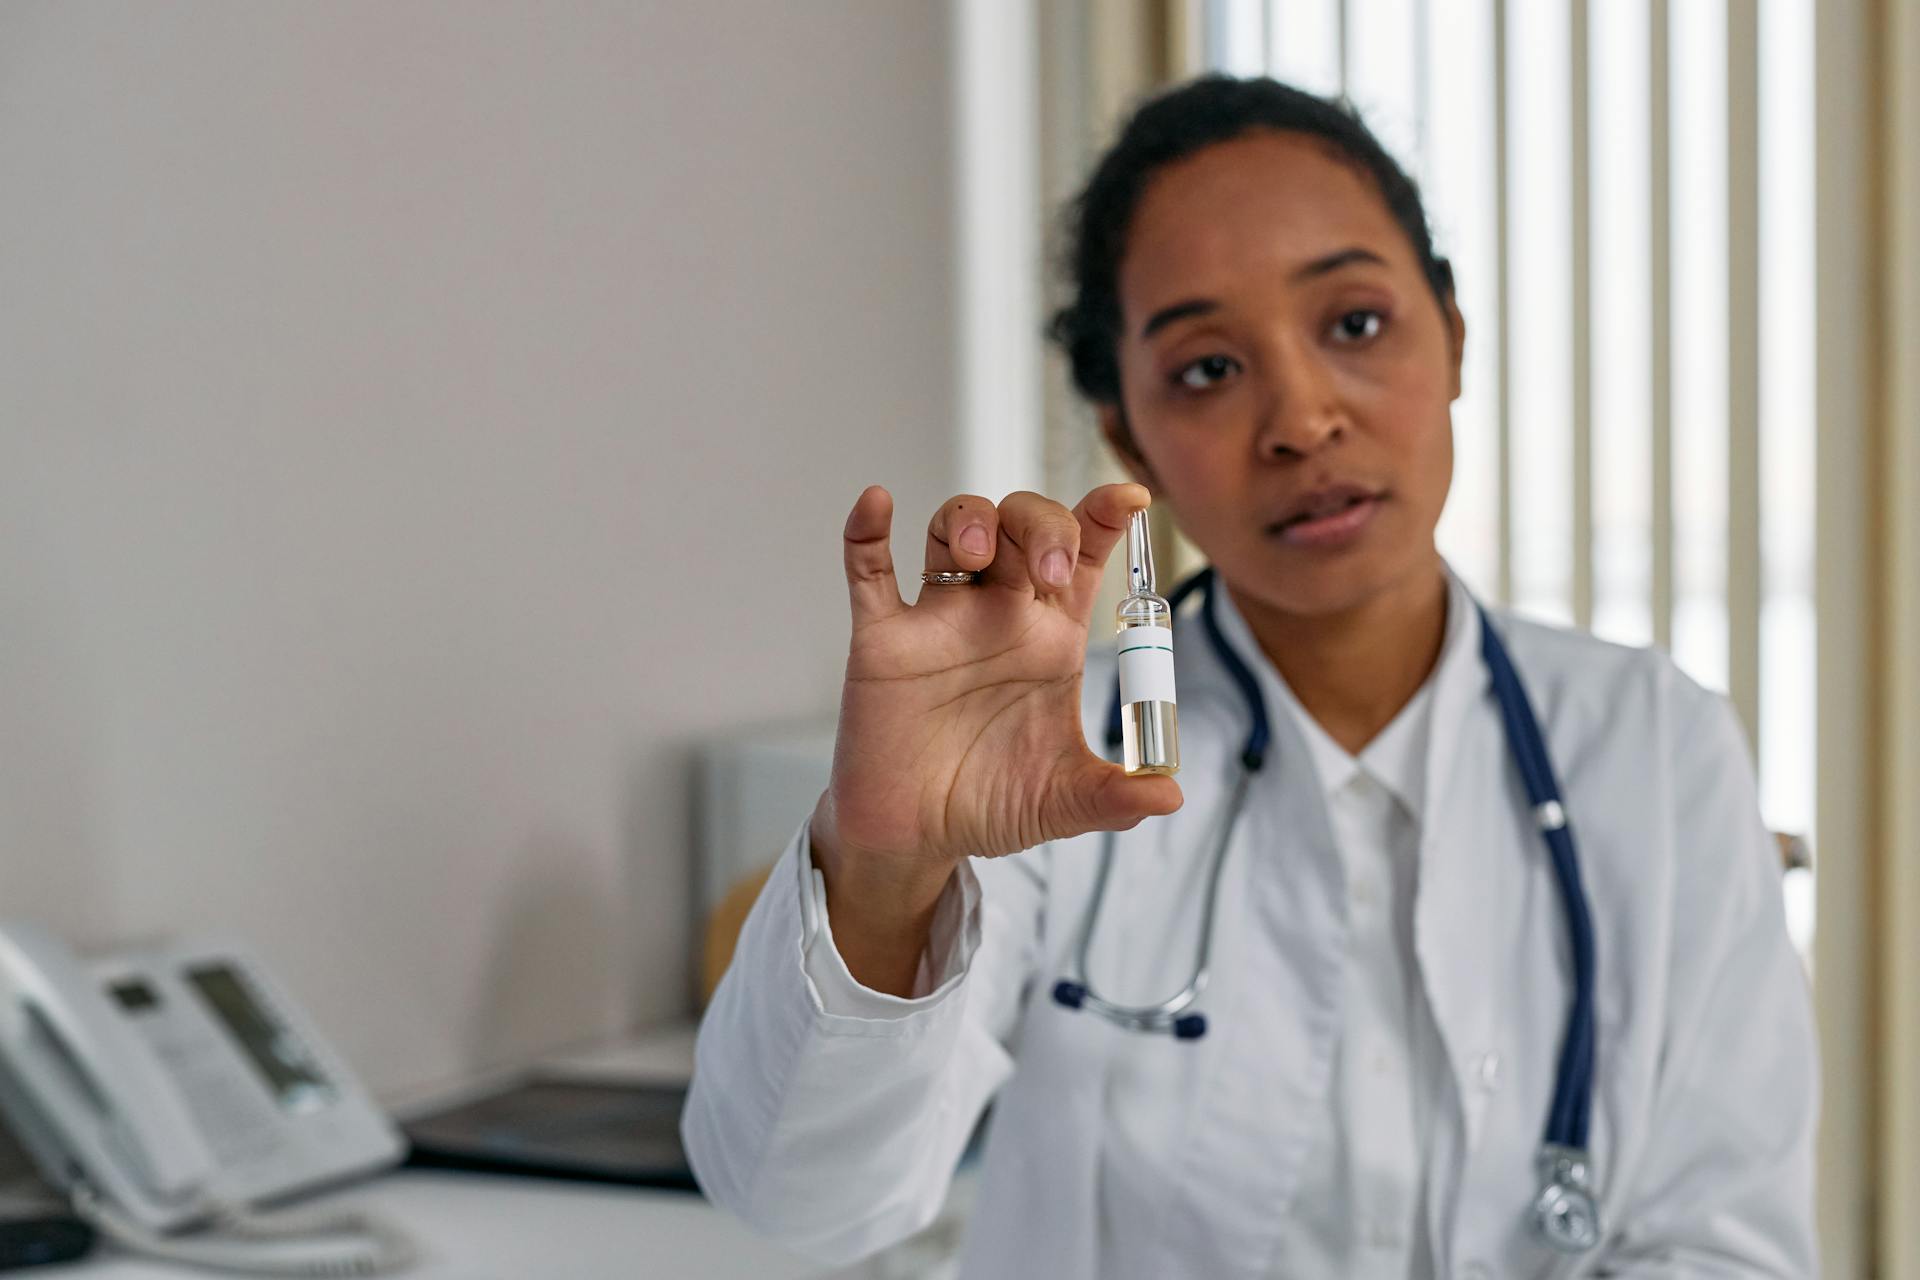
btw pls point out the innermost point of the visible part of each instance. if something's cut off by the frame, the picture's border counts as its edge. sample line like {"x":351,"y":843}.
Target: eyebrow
{"x":1178,"y":311}
{"x":1312,"y":270}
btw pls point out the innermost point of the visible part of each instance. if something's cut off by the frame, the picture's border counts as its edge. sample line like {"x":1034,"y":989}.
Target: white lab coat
{"x":833,"y":1119}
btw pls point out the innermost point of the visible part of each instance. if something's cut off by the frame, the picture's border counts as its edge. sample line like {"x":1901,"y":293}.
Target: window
{"x":1626,"y":191}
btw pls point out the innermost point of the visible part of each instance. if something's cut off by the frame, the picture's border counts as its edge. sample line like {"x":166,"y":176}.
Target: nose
{"x":1301,"y":414}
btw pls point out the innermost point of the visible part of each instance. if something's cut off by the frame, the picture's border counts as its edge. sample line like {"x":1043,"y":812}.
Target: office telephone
{"x":177,"y":1088}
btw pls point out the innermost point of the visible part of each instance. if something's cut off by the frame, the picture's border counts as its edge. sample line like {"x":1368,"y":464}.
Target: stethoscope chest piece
{"x":1565,"y":1212}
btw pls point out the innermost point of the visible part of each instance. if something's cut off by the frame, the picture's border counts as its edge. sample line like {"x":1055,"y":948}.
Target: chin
{"x":1318,"y":584}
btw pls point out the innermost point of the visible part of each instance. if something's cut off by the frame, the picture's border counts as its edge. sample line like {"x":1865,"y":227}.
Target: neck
{"x":1355,"y":669}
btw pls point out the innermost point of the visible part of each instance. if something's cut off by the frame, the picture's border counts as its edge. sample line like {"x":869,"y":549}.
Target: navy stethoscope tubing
{"x":1564,"y":1211}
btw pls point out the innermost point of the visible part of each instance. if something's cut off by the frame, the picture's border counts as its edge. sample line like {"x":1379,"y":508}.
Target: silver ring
{"x":960,"y":578}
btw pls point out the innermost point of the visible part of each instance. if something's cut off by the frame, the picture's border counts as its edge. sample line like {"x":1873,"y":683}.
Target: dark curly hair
{"x":1170,"y":127}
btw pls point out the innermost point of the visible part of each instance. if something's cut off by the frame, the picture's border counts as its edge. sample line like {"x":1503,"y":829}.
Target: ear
{"x":1456,"y":342}
{"x":1119,"y":437}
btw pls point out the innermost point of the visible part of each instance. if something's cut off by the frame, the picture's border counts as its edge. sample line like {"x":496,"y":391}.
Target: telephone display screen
{"x":134,"y":996}
{"x":291,"y":1073}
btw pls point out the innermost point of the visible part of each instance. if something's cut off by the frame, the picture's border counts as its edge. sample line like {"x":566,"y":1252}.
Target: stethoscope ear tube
{"x":1174,"y":1015}
{"x":1069,"y":994}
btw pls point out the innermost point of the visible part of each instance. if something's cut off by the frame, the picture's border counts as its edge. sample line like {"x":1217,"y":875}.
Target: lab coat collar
{"x":1399,"y":756}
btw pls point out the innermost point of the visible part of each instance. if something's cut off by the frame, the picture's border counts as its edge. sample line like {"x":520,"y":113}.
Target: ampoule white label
{"x":1146,"y":664}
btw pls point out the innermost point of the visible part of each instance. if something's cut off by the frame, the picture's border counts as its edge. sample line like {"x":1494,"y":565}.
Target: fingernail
{"x":1053,"y":567}
{"x":973,"y":540}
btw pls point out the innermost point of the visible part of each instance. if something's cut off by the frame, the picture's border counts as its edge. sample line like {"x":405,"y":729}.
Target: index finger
{"x":1103,"y":522}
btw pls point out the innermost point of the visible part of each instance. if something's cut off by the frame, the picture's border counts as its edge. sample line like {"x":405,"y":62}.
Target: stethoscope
{"x":1564,"y":1212}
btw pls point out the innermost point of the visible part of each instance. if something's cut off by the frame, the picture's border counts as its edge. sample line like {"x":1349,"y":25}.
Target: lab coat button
{"x":1487,"y":1071}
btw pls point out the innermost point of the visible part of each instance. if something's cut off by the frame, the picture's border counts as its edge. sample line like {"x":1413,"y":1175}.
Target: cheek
{"x":1194,"y":467}
{"x":1413,"y":417}
{"x":1409,"y":420}
{"x":1202,"y":480}
{"x":1427,"y":459}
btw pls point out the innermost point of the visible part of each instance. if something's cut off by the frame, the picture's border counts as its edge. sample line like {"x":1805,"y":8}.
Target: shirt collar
{"x":1398,"y":755}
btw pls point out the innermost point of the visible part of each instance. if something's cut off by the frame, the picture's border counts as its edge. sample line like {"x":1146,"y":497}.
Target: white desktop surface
{"x":485,"y":1227}
{"x":480,"y":1226}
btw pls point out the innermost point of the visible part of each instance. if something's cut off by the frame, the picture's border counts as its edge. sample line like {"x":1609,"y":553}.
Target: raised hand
{"x":960,"y":720}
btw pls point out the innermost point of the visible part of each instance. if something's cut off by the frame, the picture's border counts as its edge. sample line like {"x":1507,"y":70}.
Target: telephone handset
{"x":178,"y":1088}
{"x":75,"y":1080}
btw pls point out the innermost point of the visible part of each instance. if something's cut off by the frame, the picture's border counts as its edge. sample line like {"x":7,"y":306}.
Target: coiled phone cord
{"x":387,"y":1247}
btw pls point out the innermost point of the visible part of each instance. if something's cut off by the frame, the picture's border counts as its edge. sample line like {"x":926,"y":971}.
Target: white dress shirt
{"x":1367,"y":1150}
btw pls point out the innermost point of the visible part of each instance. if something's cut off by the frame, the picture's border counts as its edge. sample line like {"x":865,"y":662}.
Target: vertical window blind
{"x":1626,"y":191}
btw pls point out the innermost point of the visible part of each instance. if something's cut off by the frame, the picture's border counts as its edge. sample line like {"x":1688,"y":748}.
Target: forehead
{"x":1259,"y":205}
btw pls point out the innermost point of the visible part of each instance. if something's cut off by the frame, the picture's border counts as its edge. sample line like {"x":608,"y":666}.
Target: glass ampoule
{"x":1143,"y":634}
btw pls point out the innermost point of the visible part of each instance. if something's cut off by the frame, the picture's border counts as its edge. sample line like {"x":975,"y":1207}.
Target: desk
{"x":487,"y":1227}
{"x":484,"y":1227}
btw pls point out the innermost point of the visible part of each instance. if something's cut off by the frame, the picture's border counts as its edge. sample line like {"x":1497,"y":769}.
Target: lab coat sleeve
{"x":828,"y":1116}
{"x":1727,"y":1187}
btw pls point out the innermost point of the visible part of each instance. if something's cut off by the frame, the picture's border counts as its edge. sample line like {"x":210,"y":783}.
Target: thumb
{"x":1114,"y":801}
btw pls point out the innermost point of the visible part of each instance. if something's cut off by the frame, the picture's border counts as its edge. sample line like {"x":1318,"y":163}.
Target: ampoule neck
{"x":1144,"y":609}
{"x":1140,"y":577}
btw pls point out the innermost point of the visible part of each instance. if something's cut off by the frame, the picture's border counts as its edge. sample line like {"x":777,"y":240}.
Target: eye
{"x":1358,"y":326}
{"x":1206,"y":371}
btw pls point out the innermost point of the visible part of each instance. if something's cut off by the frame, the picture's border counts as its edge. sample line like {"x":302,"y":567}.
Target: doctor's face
{"x":1287,"y":373}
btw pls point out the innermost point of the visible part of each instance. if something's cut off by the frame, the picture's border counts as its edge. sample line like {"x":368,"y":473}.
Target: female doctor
{"x":1423,"y":1048}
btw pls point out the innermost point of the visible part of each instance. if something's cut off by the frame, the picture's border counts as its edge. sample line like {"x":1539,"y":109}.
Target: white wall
{"x":417,"y":422}
{"x":1000,"y":313}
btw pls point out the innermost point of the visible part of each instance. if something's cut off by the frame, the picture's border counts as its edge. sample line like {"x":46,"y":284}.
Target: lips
{"x":1328,"y":500}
